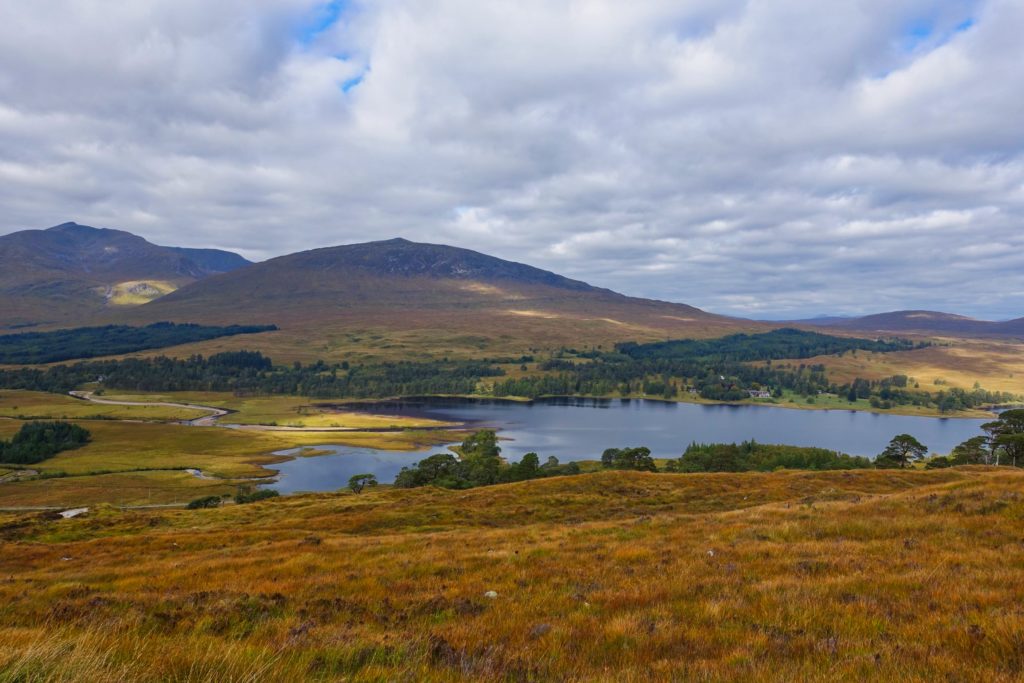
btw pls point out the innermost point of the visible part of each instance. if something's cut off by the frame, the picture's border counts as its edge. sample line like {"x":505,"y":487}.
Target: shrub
{"x":243,"y":497}
{"x":205,"y":502}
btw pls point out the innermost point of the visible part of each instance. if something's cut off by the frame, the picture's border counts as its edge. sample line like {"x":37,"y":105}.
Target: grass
{"x":844,"y":576}
{"x":287,"y":411}
{"x":137,"y":292}
{"x":120,"y":488}
{"x":834,"y":402}
{"x":122,"y":447}
{"x":37,"y":404}
{"x":996,"y":365}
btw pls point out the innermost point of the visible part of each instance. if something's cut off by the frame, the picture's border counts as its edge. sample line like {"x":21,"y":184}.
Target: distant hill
{"x":70,"y":272}
{"x":924,"y":322}
{"x":408,"y":299}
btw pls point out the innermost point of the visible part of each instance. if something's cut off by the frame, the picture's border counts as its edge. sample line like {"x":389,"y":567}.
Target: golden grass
{"x":136,"y":292}
{"x":285,"y":411}
{"x":37,"y":404}
{"x":120,"y":488}
{"x":846,"y":576}
{"x":994,"y":364}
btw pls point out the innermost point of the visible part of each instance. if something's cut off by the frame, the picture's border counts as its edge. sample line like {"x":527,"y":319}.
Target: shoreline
{"x":362,"y":404}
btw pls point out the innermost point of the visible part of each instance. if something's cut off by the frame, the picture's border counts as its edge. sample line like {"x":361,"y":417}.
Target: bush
{"x":243,"y":497}
{"x":205,"y":502}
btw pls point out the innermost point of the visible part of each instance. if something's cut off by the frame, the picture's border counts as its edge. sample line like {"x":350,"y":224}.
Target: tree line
{"x":250,"y":372}
{"x":730,"y":368}
{"x":37,"y":441}
{"x":726,"y":369}
{"x":110,"y":340}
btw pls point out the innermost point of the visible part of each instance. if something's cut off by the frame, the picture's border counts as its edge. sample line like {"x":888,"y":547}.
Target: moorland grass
{"x":840,"y":576}
{"x":285,"y":411}
{"x":40,"y":405}
{"x":219,"y":452}
{"x":996,"y":365}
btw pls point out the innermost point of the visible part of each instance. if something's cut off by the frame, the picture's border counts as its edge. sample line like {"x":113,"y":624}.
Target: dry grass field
{"x":997,"y":365}
{"x":844,"y":576}
{"x":41,"y":405}
{"x":284,"y":411}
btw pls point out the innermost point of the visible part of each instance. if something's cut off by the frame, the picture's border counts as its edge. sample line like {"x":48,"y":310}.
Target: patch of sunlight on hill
{"x":136,"y":292}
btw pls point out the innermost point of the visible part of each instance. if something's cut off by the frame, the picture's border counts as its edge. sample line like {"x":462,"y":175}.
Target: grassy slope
{"x":997,"y":365}
{"x":789,"y":576}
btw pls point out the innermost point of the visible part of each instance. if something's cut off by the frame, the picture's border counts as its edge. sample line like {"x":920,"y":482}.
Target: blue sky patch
{"x":323,"y":18}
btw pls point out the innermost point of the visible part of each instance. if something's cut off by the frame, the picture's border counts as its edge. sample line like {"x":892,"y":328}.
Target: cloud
{"x":758,"y":158}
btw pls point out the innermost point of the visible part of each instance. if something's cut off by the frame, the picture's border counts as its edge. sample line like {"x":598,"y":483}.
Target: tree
{"x":1006,"y":437}
{"x":608,"y":457}
{"x":483,"y":443}
{"x":629,"y":459}
{"x":903,"y":450}
{"x":358,"y":482}
{"x":37,"y":441}
{"x":974,"y":451}
{"x":433,"y":469}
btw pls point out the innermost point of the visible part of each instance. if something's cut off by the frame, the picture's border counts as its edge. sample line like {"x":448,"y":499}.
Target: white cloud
{"x":751,"y":157}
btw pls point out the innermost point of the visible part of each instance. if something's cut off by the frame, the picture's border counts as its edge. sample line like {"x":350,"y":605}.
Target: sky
{"x":764,"y":158}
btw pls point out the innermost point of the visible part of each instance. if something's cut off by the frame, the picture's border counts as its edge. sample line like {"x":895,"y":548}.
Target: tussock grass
{"x":874,"y":575}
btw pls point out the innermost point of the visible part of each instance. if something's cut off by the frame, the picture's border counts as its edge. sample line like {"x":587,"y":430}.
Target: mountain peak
{"x":403,"y":258}
{"x":72,"y":227}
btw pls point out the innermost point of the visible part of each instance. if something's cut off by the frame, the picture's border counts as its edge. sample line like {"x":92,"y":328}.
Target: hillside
{"x":923,"y":322}
{"x":71,"y":272}
{"x":841,"y":576}
{"x":403,"y":299}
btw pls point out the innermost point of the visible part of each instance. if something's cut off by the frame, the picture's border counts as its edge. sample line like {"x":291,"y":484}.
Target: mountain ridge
{"x":398,"y":296}
{"x":68,"y":272}
{"x":921,"y":321}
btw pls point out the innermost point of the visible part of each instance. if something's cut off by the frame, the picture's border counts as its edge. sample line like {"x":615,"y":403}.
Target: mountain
{"x":70,"y":272}
{"x":405,"y":299}
{"x":924,"y":322}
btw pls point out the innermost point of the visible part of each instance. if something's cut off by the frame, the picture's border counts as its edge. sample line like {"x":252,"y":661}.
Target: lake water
{"x":580,"y":429}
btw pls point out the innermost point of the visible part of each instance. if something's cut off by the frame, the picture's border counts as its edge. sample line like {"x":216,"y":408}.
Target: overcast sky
{"x":766,"y":158}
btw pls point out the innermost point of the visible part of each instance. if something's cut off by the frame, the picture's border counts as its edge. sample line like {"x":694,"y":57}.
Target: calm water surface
{"x":580,"y":429}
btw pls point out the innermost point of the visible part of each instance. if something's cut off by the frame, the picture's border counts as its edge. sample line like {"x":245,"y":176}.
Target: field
{"x":142,"y":463}
{"x":284,"y":411}
{"x":40,"y":405}
{"x":871,"y":575}
{"x":993,"y":364}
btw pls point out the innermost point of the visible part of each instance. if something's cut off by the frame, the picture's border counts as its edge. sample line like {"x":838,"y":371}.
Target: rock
{"x":540,"y":630}
{"x":491,"y":595}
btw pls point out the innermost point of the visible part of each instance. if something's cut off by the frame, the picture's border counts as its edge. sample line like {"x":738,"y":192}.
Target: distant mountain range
{"x":415,"y":298}
{"x":394,"y":297}
{"x":72,"y":271}
{"x":923,"y":322}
